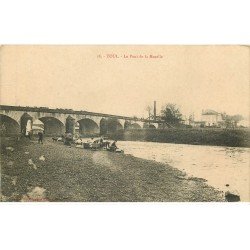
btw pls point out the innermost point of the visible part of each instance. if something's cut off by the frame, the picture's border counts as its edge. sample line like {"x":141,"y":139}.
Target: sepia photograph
{"x":125,"y":123}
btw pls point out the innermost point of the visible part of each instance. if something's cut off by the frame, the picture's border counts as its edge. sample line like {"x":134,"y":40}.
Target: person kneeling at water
{"x":113,"y":146}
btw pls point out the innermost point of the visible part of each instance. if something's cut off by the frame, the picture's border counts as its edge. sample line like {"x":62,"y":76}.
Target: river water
{"x":218,"y":165}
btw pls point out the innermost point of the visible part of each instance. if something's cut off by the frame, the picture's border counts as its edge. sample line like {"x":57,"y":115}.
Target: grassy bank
{"x":74,"y":174}
{"x":206,"y":136}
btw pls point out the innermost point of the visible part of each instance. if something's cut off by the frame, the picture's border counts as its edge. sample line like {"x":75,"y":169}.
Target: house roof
{"x":210,"y":112}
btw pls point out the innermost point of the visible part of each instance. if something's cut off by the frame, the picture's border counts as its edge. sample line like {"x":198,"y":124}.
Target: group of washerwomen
{"x":93,"y":143}
{"x":101,"y":143}
{"x":67,"y":138}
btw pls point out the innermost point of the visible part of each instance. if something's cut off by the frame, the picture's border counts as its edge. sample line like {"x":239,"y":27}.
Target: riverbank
{"x":193,"y":136}
{"x":74,"y":174}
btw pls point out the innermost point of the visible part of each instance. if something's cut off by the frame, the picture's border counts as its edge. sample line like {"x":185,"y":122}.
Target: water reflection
{"x":218,"y":165}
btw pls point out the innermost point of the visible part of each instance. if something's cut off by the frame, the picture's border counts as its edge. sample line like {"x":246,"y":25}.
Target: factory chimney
{"x":154,"y":110}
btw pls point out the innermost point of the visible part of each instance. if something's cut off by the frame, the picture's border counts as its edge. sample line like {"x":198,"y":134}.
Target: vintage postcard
{"x":124,"y":123}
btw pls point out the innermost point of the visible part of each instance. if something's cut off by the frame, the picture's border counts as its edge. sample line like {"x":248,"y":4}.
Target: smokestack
{"x":154,"y":110}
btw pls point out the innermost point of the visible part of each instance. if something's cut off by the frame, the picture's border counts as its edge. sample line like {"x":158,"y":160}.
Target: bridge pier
{"x":70,"y":125}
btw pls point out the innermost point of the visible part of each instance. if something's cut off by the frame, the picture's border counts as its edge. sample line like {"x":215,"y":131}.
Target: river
{"x":218,"y":165}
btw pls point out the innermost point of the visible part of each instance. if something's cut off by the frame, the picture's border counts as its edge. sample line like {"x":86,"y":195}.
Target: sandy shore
{"x":74,"y":174}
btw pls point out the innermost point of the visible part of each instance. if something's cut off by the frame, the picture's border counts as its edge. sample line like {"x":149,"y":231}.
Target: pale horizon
{"x":73,"y":77}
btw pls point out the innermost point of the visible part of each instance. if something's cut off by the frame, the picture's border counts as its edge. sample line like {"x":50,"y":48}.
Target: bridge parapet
{"x":83,"y":117}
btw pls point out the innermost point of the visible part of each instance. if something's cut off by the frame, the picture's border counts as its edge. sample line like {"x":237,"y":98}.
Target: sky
{"x":84,"y":78}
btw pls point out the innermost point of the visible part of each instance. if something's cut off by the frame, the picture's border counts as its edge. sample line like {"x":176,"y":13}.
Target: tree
{"x":149,"y":110}
{"x":231,"y":120}
{"x":236,"y":119}
{"x":191,"y":119}
{"x":171,"y":114}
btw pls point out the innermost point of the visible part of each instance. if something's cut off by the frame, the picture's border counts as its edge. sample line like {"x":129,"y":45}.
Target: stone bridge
{"x":13,"y":119}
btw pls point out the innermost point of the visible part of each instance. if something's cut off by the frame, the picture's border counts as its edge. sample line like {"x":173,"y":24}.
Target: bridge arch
{"x":152,"y":126}
{"x":135,"y":126}
{"x":8,"y":125}
{"x":88,"y":127}
{"x":52,"y":126}
{"x":114,"y":125}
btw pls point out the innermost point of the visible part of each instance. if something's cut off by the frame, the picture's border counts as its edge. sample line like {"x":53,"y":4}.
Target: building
{"x":211,"y":118}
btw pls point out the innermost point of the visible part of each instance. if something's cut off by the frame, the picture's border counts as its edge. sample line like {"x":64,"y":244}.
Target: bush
{"x":201,"y":136}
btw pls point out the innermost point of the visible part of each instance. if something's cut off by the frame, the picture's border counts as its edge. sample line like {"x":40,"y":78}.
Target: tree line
{"x":171,"y":114}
